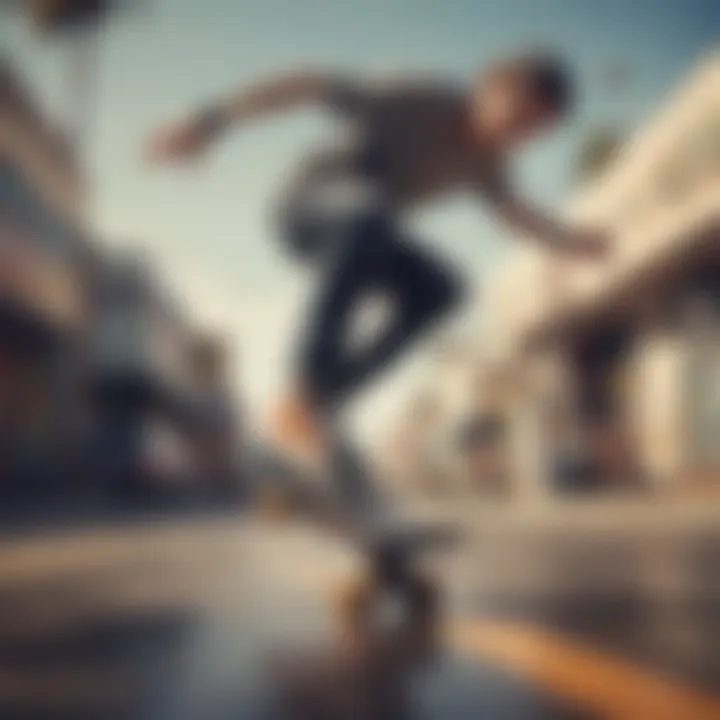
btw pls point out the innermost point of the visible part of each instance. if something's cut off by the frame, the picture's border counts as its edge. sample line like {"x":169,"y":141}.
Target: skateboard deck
{"x":345,"y":500}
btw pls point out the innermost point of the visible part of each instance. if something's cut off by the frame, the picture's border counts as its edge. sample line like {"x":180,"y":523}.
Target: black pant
{"x":355,"y":256}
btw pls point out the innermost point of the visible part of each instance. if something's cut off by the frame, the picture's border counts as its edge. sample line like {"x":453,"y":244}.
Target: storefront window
{"x":10,"y":195}
{"x":27,"y":209}
{"x":165,"y":451}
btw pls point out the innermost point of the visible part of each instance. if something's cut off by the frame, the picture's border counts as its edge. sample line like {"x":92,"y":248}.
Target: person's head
{"x":519,"y":97}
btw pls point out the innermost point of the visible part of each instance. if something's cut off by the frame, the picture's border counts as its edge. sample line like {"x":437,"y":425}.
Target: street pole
{"x":83,"y":55}
{"x":82,"y":82}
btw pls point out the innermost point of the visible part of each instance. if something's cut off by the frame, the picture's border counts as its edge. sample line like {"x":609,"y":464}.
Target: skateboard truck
{"x":352,"y":507}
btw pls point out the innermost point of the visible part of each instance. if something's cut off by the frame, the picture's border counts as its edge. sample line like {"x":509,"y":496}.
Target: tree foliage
{"x":61,"y":15}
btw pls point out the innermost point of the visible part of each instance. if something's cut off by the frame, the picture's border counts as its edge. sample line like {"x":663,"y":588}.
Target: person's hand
{"x":182,"y":142}
{"x":592,"y":244}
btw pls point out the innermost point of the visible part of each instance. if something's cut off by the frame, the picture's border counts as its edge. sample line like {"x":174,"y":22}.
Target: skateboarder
{"x":404,"y":143}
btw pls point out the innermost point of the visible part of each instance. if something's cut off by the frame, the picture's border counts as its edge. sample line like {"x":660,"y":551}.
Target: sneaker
{"x":297,"y":434}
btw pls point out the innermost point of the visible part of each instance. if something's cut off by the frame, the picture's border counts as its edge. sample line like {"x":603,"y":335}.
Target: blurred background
{"x":569,"y":422}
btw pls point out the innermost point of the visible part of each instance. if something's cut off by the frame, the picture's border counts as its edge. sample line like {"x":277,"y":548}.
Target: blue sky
{"x":208,"y":227}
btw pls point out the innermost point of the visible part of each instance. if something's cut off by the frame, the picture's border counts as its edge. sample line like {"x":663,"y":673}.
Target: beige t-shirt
{"x":408,"y":140}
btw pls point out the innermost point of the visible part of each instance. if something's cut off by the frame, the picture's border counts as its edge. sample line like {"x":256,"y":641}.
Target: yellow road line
{"x":613,"y":688}
{"x":603,"y":683}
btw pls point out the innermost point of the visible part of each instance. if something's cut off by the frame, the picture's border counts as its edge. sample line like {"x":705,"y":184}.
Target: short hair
{"x":551,"y":79}
{"x":546,"y":74}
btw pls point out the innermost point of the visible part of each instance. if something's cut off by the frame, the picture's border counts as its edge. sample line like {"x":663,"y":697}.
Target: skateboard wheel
{"x":274,"y":505}
{"x":361,"y":601}
{"x":422,"y":596}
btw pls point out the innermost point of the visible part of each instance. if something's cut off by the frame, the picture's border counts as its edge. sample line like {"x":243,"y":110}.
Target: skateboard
{"x":345,"y":500}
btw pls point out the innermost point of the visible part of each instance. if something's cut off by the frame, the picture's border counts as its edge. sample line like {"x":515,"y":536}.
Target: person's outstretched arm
{"x":189,"y":138}
{"x":554,"y":234}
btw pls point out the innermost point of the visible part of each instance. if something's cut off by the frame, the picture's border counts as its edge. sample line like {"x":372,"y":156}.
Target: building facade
{"x":42,"y":301}
{"x":140,"y":378}
{"x":614,"y":365}
{"x":217,"y":435}
{"x":105,"y":385}
{"x":164,"y":416}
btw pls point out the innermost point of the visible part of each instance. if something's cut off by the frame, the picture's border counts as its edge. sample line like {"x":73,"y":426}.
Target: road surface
{"x":233,"y":619}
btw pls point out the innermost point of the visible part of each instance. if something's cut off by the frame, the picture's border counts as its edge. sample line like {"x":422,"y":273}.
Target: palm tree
{"x":77,"y":22}
{"x":78,"y":25}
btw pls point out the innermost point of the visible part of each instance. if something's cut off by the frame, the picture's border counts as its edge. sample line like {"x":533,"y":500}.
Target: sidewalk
{"x":638,"y":581}
{"x":76,"y":514}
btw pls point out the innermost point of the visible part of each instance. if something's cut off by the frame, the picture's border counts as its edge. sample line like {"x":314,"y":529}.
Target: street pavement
{"x":235,"y":618}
